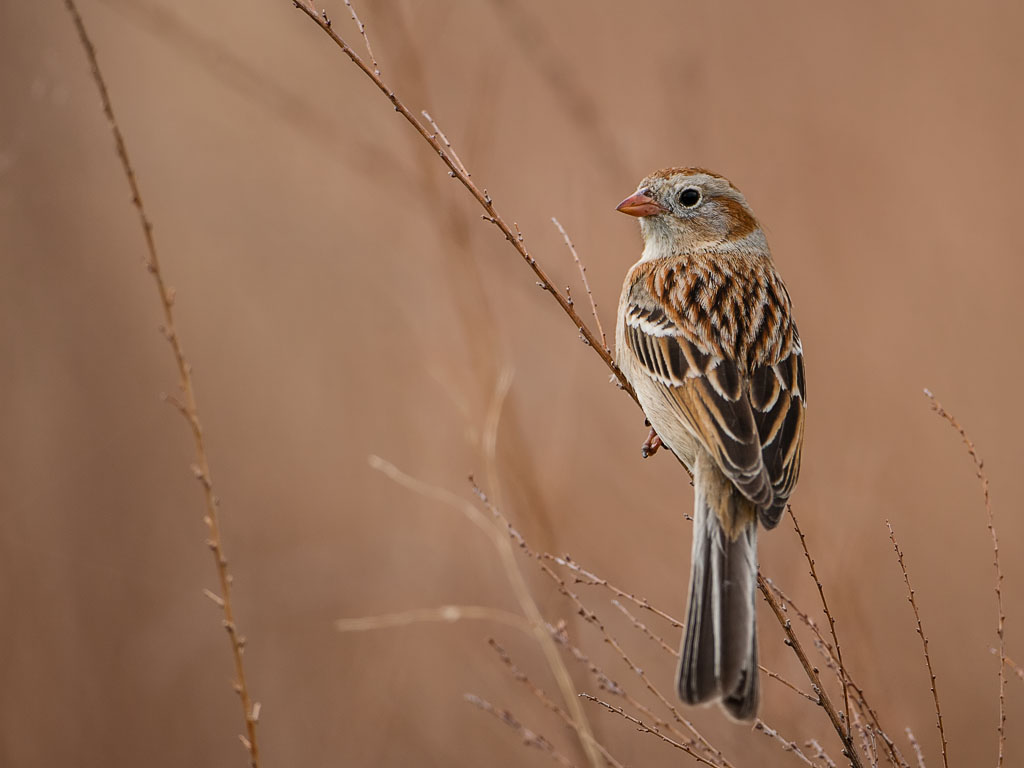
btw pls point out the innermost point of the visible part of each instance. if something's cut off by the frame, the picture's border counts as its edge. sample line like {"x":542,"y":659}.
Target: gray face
{"x":704,"y":212}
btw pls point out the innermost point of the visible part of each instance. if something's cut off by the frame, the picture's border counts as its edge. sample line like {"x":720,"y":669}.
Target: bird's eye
{"x":689,"y":197}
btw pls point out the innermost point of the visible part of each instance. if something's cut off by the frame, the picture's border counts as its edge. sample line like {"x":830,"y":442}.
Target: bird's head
{"x":690,"y":210}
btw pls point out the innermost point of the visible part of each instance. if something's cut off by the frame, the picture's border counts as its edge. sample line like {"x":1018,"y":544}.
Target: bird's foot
{"x":651,"y":444}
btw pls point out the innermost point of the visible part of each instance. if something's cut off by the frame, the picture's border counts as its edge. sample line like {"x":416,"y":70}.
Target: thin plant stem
{"x":530,"y":738}
{"x":819,"y":753}
{"x":543,"y":698}
{"x":586,"y":283}
{"x":366,"y":40}
{"x":1017,"y":669}
{"x":519,"y":588}
{"x":456,"y":171}
{"x":787,"y":745}
{"x":849,"y":751}
{"x":591,"y":618}
{"x":445,"y":614}
{"x":924,"y":641}
{"x":828,"y":614}
{"x":644,"y":629}
{"x":649,"y":729}
{"x":859,"y":697}
{"x":916,"y":747}
{"x":979,"y":471}
{"x":187,"y":406}
{"x":583,"y":576}
{"x":606,"y":683}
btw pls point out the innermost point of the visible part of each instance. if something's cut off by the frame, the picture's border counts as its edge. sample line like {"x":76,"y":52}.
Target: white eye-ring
{"x":689,"y":197}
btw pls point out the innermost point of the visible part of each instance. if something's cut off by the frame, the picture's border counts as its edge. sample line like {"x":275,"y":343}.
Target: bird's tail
{"x":718,"y":661}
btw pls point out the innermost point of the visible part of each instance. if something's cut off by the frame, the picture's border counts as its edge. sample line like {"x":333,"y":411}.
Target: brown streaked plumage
{"x":706,"y":337}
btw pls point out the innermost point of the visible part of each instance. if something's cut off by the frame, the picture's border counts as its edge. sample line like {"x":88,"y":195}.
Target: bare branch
{"x":859,"y":697}
{"x":979,"y":471}
{"x":843,"y":677}
{"x":362,"y":31}
{"x":519,"y":588}
{"x":819,"y":753}
{"x":590,"y":617}
{"x":188,"y":407}
{"x":583,"y":576}
{"x":606,"y":683}
{"x":1017,"y":670}
{"x":447,"y":144}
{"x":448,"y":614}
{"x":787,"y":745}
{"x":916,"y":747}
{"x":649,"y":729}
{"x":637,"y":624}
{"x":480,"y":195}
{"x":924,"y":641}
{"x":544,"y":699}
{"x":530,"y":738}
{"x":811,"y":671}
{"x":867,"y":741}
{"x":586,"y":283}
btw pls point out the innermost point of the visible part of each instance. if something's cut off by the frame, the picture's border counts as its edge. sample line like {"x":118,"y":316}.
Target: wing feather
{"x":740,"y":391}
{"x":780,"y":423}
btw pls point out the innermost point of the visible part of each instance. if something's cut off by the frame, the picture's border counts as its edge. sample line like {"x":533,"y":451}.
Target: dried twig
{"x":644,"y":629}
{"x":480,"y":195}
{"x":530,"y":738}
{"x":787,"y":745}
{"x":519,"y":588}
{"x":828,"y":614}
{"x":867,"y":744}
{"x":979,"y":471}
{"x":860,"y":699}
{"x":1017,"y":670}
{"x":544,"y":699}
{"x":586,"y":283}
{"x":447,"y":144}
{"x":446,"y":613}
{"x":924,"y":642}
{"x":867,"y":740}
{"x":916,"y":747}
{"x":819,"y":753}
{"x":606,"y":683}
{"x":590,"y":617}
{"x":649,"y":729}
{"x":583,"y":576}
{"x":187,"y":406}
{"x":893,"y":753}
{"x":811,"y":671}
{"x":776,"y":676}
{"x":362,"y":31}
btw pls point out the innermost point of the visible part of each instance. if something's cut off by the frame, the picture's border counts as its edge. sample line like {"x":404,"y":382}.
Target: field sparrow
{"x":706,"y":336}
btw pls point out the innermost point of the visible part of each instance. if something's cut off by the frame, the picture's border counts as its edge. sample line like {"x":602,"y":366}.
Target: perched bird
{"x":706,"y":336}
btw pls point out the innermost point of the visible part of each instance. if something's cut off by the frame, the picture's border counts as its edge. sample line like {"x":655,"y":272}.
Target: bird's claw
{"x":651,"y":445}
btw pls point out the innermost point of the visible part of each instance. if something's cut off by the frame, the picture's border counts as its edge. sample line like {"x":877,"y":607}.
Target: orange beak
{"x":640,"y":205}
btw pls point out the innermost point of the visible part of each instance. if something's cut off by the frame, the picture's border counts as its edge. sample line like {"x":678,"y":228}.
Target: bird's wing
{"x":778,"y":396}
{"x":719,"y":343}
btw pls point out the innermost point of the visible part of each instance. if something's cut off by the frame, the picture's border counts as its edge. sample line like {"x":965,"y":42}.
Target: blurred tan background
{"x":339,"y":296}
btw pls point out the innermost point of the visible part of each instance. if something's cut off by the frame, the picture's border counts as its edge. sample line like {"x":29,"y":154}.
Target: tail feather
{"x":718,"y":661}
